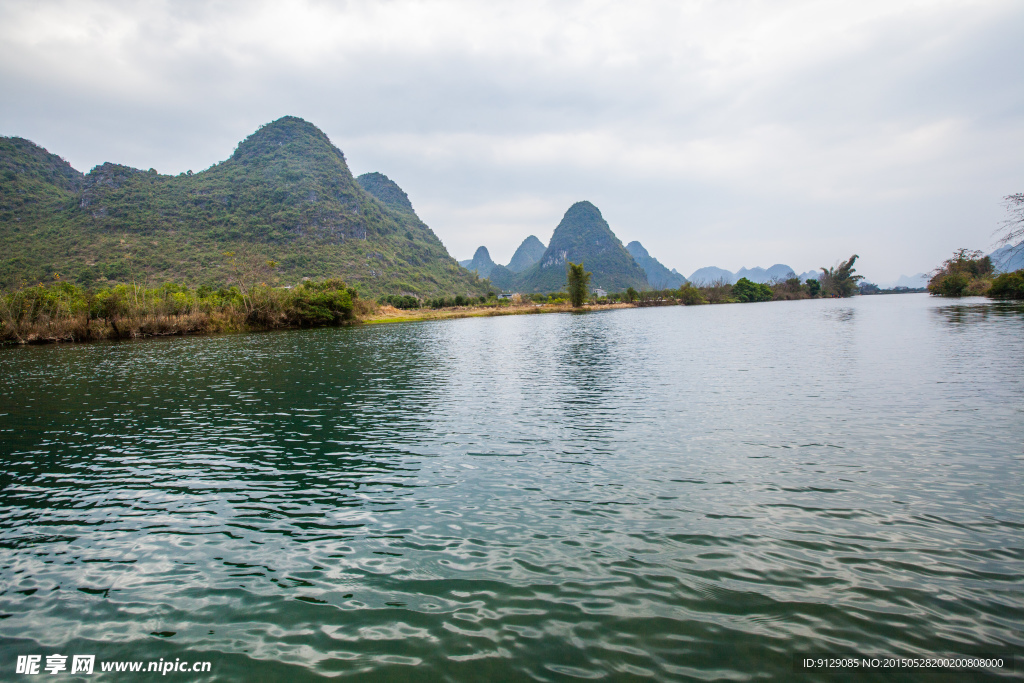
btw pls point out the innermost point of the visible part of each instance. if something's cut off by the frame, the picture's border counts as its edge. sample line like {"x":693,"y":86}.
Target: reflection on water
{"x":976,"y":310}
{"x":669,"y":493}
{"x":840,"y":314}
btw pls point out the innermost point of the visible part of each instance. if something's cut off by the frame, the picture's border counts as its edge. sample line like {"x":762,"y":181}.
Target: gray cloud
{"x":726,"y":134}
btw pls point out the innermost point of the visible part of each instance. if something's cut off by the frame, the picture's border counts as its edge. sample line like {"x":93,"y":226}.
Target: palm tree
{"x":840,"y":279}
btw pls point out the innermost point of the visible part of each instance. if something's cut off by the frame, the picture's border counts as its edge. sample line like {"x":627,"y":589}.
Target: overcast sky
{"x":728,"y":133}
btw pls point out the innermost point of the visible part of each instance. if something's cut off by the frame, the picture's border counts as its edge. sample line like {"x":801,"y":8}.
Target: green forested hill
{"x":583,"y":236}
{"x":285,"y":194}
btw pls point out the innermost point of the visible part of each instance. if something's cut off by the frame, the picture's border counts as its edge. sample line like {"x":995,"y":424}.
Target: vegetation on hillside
{"x":529,"y":252}
{"x":967,"y":273}
{"x":285,"y":194}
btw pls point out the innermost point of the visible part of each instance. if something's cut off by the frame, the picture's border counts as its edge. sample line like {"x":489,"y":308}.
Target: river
{"x":679,"y":493}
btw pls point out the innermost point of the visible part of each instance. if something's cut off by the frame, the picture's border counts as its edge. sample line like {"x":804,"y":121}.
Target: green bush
{"x":321,"y":303}
{"x":688,"y":295}
{"x":967,"y":273}
{"x":407,"y":302}
{"x":950,"y":284}
{"x":1008,"y":286}
{"x":747,"y":291}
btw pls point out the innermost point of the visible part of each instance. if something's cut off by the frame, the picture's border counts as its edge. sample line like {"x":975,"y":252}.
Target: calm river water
{"x":671,"y":493}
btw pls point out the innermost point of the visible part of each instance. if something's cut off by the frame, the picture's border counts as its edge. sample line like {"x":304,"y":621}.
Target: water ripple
{"x":679,"y":493}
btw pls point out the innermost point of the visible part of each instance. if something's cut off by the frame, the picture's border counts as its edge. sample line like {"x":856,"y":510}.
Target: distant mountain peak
{"x":1008,"y":258}
{"x":583,"y":236}
{"x":658,"y":276}
{"x":528,"y":253}
{"x":288,"y":135}
{"x":635,"y":248}
{"x":482,"y":265}
{"x":711,"y":274}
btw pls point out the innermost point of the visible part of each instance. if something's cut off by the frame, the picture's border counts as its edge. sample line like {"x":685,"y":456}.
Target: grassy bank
{"x":65,"y":312}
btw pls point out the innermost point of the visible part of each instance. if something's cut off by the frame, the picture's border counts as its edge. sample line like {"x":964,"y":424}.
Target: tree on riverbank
{"x":746,"y":291}
{"x":967,"y":273}
{"x":840,"y":280}
{"x":1008,"y":286}
{"x":579,"y":283}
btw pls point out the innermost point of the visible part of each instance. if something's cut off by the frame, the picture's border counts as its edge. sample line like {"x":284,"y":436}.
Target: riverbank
{"x":62,"y":315}
{"x":64,"y":312}
{"x":390,"y":314}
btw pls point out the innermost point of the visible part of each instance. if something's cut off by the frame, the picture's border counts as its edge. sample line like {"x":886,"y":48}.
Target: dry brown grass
{"x":390,"y":314}
{"x":45,"y":329}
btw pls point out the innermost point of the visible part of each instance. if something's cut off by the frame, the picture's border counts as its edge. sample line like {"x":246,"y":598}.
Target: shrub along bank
{"x":967,"y":273}
{"x":66,"y":312}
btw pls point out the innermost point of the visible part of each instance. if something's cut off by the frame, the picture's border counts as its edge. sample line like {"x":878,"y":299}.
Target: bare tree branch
{"x":1014,"y":225}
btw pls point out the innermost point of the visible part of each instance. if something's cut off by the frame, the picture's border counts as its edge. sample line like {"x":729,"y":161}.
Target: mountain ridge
{"x":285,"y":194}
{"x":712,"y":274}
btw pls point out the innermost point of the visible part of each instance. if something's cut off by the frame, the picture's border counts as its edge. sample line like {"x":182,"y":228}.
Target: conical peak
{"x":288,"y":128}
{"x":636,"y":249}
{"x":583,"y":211}
{"x":583,"y":221}
{"x":482,"y":254}
{"x":528,"y":253}
{"x":288,"y":134}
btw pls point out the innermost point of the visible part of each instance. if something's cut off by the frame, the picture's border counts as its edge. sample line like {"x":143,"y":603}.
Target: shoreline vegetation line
{"x":66,"y":312}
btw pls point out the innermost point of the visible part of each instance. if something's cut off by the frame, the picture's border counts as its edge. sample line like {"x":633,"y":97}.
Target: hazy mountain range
{"x":1004,"y":260}
{"x":711,"y":274}
{"x":1008,"y":259}
{"x":583,"y":235}
{"x":658,"y":276}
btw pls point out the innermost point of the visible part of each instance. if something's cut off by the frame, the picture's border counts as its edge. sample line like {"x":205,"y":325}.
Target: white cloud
{"x":897,"y":122}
